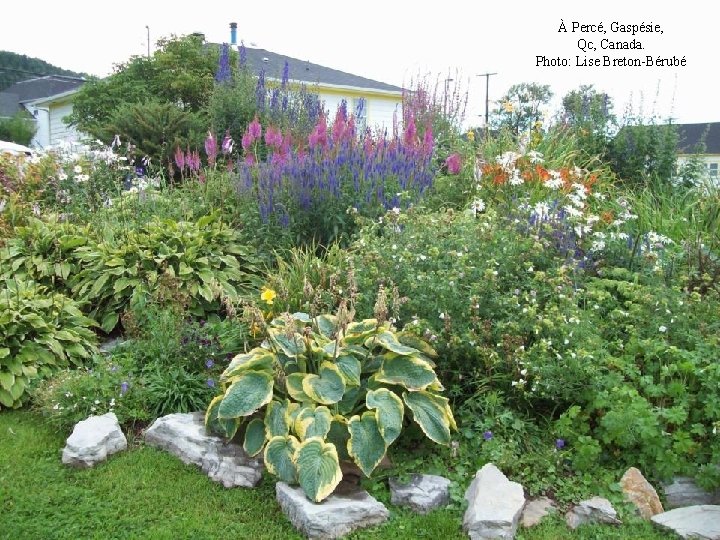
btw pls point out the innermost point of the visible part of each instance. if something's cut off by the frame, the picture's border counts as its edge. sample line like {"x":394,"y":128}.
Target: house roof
{"x":305,"y":71}
{"x":691,"y":136}
{"x":34,"y":89}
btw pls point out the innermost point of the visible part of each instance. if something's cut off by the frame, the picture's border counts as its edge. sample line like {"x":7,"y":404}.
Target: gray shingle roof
{"x":692,"y":135}
{"x":301,"y":70}
{"x":37,"y":88}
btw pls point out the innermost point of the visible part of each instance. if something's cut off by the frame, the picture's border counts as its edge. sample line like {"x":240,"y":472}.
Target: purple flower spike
{"x":124,"y":388}
{"x":488,"y":435}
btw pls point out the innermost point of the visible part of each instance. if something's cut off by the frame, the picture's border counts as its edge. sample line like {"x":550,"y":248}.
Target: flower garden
{"x":326,"y":295}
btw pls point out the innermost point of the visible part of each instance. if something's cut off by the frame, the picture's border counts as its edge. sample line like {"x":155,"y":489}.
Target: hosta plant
{"x":40,"y":333}
{"x":319,"y":391}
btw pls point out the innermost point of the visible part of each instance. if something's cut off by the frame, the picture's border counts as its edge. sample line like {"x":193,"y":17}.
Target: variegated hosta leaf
{"x":277,"y":420}
{"x":224,"y":427}
{"x":254,"y":437}
{"x":366,"y":446}
{"x":350,"y":399}
{"x":407,"y":371}
{"x":248,"y":392}
{"x":349,"y":367}
{"x":318,"y":468}
{"x":432,"y":413}
{"x":327,"y":325}
{"x":279,"y":453}
{"x":339,"y":436}
{"x":389,"y":412}
{"x":327,"y":387}
{"x":256,"y":360}
{"x":357,"y":332}
{"x":294,"y":386}
{"x":313,"y":422}
{"x":390,"y":342}
{"x":291,"y":347}
{"x":416,"y":342}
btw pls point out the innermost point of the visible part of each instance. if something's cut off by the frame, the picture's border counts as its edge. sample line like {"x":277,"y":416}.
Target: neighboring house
{"x":381,"y":100}
{"x":701,"y":141}
{"x":48,"y":99}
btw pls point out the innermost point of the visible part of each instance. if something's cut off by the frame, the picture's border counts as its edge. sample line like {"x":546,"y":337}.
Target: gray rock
{"x":110,"y":345}
{"x":594,"y":510}
{"x":93,"y":440}
{"x":338,"y":515}
{"x":684,"y":491}
{"x":701,"y":522}
{"x":183,"y":435}
{"x":423,"y":493}
{"x":494,"y":505}
{"x":535,"y":510}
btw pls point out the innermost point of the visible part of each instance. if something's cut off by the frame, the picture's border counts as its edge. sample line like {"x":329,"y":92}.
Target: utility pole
{"x":487,"y":99}
{"x":147,"y":27}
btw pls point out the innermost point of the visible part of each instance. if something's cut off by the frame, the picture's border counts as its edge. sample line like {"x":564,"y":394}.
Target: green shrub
{"x":41,"y":333}
{"x":19,"y":129}
{"x":329,"y":392}
{"x":199,"y":265}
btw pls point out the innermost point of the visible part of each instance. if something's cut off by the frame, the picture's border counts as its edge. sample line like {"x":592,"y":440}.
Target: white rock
{"x":336,"y":516}
{"x":535,"y":510}
{"x":594,"y":510}
{"x":701,"y":522}
{"x":494,"y":505}
{"x":423,"y":493}
{"x":183,"y":435}
{"x":93,"y":440}
{"x":683,"y":491}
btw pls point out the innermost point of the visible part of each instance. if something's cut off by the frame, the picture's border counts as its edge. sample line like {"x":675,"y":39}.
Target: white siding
{"x":59,"y":131}
{"x":379,"y":110}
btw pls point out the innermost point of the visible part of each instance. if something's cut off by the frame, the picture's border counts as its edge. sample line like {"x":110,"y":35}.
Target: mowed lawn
{"x":149,"y":494}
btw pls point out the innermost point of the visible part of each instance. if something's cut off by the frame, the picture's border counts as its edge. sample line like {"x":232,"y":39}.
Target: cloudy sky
{"x":396,"y":42}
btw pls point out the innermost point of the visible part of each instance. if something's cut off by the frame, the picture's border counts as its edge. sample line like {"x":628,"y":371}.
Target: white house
{"x":701,"y":141}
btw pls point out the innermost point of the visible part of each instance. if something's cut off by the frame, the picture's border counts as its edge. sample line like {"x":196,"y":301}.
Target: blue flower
{"x":211,"y":383}
{"x":559,"y":444}
{"x":488,"y":435}
{"x":209,"y":363}
{"x":124,"y":388}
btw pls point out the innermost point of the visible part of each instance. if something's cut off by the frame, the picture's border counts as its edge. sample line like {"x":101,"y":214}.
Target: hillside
{"x":18,"y":67}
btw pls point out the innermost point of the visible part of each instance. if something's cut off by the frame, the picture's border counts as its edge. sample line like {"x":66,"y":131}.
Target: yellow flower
{"x":268,"y":295}
{"x":508,"y":107}
{"x":471,"y":135}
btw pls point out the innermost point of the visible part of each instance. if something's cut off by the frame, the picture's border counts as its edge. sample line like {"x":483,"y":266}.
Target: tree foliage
{"x":19,"y":129}
{"x":18,"y":67}
{"x":588,"y":113}
{"x":520,"y":108}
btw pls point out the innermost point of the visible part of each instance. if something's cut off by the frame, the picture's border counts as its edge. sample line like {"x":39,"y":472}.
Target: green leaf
{"x":256,"y":360}
{"x":18,"y":388}
{"x":109,"y":321}
{"x":339,"y":436}
{"x":416,"y":342}
{"x":4,"y":351}
{"x":312,"y":422}
{"x":6,"y":399}
{"x":206,"y":292}
{"x":277,"y":419}
{"x":327,"y":387}
{"x":366,"y":446}
{"x":357,"y":332}
{"x":350,"y":398}
{"x":349,"y":367}
{"x":184,"y":269}
{"x":291,"y":347}
{"x":254,"y":437}
{"x":7,"y":380}
{"x":279,"y":453}
{"x":327,"y":325}
{"x":390,"y":342}
{"x":226,"y":427}
{"x":124,"y":282}
{"x":389,"y":412}
{"x":294,"y":386}
{"x":248,"y":392}
{"x":318,"y":468}
{"x":98,"y":285}
{"x":432,"y":413}
{"x":408,"y":371}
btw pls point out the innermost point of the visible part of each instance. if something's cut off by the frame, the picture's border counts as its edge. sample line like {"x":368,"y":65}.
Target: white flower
{"x":3,"y":203}
{"x":535,"y":156}
{"x":554,"y":183}
{"x":662,"y":329}
{"x":515,"y":179}
{"x":541,"y":209}
{"x":62,"y":176}
{"x":396,"y":211}
{"x":442,"y":316}
{"x":56,"y":406}
{"x":77,"y":169}
{"x":478,"y":205}
{"x":82,"y":178}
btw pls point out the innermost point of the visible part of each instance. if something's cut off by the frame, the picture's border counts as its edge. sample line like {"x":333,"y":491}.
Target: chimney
{"x":233,"y":33}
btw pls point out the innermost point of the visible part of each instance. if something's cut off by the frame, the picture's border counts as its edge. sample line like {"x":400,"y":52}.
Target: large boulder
{"x":593,"y":510}
{"x":701,"y":522}
{"x":341,"y":513}
{"x":423,"y":493}
{"x":683,"y":491}
{"x":641,"y":493}
{"x":535,"y":510}
{"x":494,"y":505}
{"x":93,"y":440}
{"x":183,"y":435}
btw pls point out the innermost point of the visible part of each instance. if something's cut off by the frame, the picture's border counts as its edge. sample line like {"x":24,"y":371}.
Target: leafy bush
{"x":41,"y":332}
{"x":199,"y":265}
{"x":19,"y":128}
{"x":326,"y":393}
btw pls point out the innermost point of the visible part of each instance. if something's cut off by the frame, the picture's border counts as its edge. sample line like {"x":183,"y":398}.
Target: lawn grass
{"x":148,"y":494}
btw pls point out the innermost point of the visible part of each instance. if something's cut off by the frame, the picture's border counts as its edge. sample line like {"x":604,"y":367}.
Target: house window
{"x":360,"y":112}
{"x":713,"y":170}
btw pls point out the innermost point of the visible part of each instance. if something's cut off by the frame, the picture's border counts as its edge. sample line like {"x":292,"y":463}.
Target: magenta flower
{"x":227,"y":144}
{"x":179,"y":159}
{"x":255,"y":129}
{"x":211,"y":148}
{"x":453,"y":163}
{"x":273,"y":137}
{"x":410,"y":132}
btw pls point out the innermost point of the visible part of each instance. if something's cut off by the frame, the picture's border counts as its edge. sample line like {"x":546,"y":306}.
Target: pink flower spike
{"x":255,"y":129}
{"x":453,"y":163}
{"x":211,"y":148}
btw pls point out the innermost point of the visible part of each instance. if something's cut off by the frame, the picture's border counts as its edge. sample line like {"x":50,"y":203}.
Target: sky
{"x":398,"y":42}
